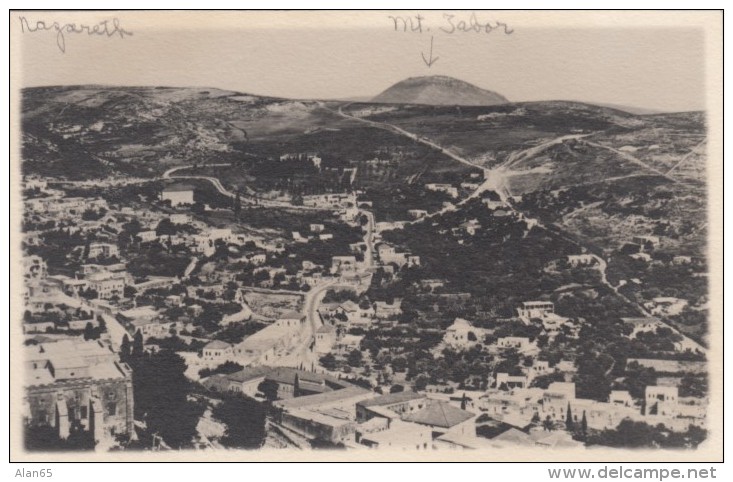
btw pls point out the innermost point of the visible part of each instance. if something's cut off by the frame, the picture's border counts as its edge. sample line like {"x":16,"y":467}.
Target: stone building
{"x":78,"y":385}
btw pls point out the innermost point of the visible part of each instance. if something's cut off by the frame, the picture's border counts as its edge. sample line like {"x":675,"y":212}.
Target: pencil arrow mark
{"x":432,"y":60}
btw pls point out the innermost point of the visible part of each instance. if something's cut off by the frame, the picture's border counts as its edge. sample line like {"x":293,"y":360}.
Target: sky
{"x":649,"y":62}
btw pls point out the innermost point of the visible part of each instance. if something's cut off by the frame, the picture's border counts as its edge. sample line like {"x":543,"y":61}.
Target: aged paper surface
{"x":453,"y":269}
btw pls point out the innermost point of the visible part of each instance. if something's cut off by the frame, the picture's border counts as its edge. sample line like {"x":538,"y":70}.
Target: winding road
{"x":170,"y":174}
{"x":496,"y":180}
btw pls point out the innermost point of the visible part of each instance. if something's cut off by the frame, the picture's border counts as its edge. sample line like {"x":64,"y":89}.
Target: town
{"x":381,"y":291}
{"x":323,"y":344}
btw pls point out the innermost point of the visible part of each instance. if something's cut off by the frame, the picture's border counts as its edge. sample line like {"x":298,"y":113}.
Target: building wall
{"x":178,"y":197}
{"x":318,"y":430}
{"x":114,"y":396}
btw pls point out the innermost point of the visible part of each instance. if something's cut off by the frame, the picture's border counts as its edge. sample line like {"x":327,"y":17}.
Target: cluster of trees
{"x":161,"y":393}
{"x":631,"y":434}
{"x":244,"y":419}
{"x":93,"y":215}
{"x":236,"y":332}
{"x":224,"y":369}
{"x":92,"y":332}
{"x":154,"y":260}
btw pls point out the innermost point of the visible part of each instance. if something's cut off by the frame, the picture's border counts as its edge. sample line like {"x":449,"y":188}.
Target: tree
{"x":472,"y":336}
{"x":693,"y":386}
{"x":296,"y":386}
{"x":399,"y":364}
{"x":244,"y":419}
{"x":547,"y":424}
{"x":464,"y":400}
{"x":269,"y":389}
{"x":421,"y":382}
{"x":328,"y":361}
{"x":129,"y":291}
{"x":161,"y":394}
{"x":569,"y":425}
{"x":584,"y":425}
{"x":89,"y":294}
{"x":396,"y":388}
{"x":536,"y":418}
{"x":89,"y":332}
{"x":125,"y":349}
{"x":137,"y":345}
{"x":355,"y":358}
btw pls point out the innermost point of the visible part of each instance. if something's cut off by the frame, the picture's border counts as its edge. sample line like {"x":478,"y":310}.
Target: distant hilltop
{"x":438,"y":90}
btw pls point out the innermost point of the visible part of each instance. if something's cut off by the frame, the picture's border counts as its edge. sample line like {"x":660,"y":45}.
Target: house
{"x":343,"y":264}
{"x":317,"y":228}
{"x":413,"y":260}
{"x":178,"y":194}
{"x":106,"y":250}
{"x":352,"y":311}
{"x":538,"y":368}
{"x":381,"y":433}
{"x":680,"y":260}
{"x":491,"y":204}
{"x":247,"y":380}
{"x":661,"y":401}
{"x":390,"y":406}
{"x":519,"y":343}
{"x":534,"y":309}
{"x":576,"y":260}
{"x":641,"y":256}
{"x":325,"y":339}
{"x":217,"y":351}
{"x":325,"y":417}
{"x":446,"y":188}
{"x":506,"y":381}
{"x":432,"y":284}
{"x":417,"y":213}
{"x":180,"y":218}
{"x":384,"y":310}
{"x":621,"y":397}
{"x":291,"y":319}
{"x":385,"y":251}
{"x":471,"y":227}
{"x":257,"y":259}
{"x":646,"y":241}
{"x":442,"y":418}
{"x":107,"y":285}
{"x":147,"y":236}
{"x":461,"y":334}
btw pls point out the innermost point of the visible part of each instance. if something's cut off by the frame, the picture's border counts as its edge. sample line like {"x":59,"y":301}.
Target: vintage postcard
{"x":377,"y":235}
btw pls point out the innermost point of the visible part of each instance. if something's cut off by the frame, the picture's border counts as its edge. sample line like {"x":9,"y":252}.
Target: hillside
{"x":438,"y":90}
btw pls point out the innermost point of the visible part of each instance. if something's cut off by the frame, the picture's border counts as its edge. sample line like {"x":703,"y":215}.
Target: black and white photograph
{"x":257,"y":235}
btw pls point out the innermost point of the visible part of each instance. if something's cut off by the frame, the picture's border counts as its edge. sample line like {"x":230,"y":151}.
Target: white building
{"x":325,"y":339}
{"x":661,"y":401}
{"x":217,"y":351}
{"x":534,"y":309}
{"x":457,"y":335}
{"x":178,"y":194}
{"x":103,"y":249}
